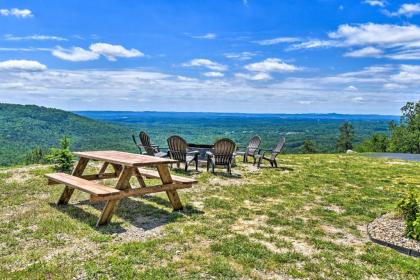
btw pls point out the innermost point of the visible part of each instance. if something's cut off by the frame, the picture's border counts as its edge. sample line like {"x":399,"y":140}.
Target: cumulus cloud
{"x":277,"y":40}
{"x":206,"y":63}
{"x":35,"y":37}
{"x":388,"y":35}
{"x":75,"y":54}
{"x":208,"y":36}
{"x":22,"y":65}
{"x":407,"y":10}
{"x":254,"y":77}
{"x":375,"y":3}
{"x":20,"y":13}
{"x":272,"y":65}
{"x":213,"y":74}
{"x":365,"y":52}
{"x":111,"y":52}
{"x":397,"y":42}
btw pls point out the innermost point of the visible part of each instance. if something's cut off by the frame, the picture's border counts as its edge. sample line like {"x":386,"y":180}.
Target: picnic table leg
{"x":166,"y":178}
{"x":78,"y":171}
{"x":110,"y":206}
{"x":139,"y":178}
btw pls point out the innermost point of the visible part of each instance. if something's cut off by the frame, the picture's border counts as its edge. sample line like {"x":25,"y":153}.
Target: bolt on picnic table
{"x":125,"y":165}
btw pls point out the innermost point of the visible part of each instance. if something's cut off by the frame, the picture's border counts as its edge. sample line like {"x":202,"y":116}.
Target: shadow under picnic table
{"x":136,"y":212}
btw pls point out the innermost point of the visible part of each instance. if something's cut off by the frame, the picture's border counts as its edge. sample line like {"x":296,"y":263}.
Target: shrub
{"x":409,"y":208}
{"x":308,"y":147}
{"x":62,"y":158}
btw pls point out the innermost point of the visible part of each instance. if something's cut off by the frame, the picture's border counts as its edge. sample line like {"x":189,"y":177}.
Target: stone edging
{"x":403,"y":250}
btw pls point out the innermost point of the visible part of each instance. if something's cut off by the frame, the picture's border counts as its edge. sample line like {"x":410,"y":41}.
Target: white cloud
{"x":387,"y":35}
{"x":407,"y":10}
{"x":358,"y":99}
{"x":254,"y":77}
{"x":22,"y":65}
{"x":74,"y":54}
{"x":35,"y":37}
{"x":240,"y":55}
{"x":375,"y":3}
{"x":272,"y":65}
{"x":111,"y":52}
{"x":213,"y":74}
{"x":22,"y":13}
{"x":352,"y":88}
{"x":313,"y":43}
{"x":208,"y":36}
{"x":203,"y":62}
{"x":278,"y":40}
{"x":365,"y":52}
{"x":405,"y":55}
{"x":131,"y":89}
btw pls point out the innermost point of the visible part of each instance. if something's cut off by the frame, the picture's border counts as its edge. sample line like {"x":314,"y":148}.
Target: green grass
{"x":304,"y":220}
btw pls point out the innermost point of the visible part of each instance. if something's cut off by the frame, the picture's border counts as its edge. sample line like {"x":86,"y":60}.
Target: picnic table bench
{"x":125,"y":166}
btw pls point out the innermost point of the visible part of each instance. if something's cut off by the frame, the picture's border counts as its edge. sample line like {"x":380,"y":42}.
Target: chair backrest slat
{"x":177,"y":148}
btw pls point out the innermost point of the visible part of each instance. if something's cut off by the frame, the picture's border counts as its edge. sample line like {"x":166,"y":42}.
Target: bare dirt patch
{"x":335,"y":209}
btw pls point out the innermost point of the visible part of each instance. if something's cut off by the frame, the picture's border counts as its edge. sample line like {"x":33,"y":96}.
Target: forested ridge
{"x":25,"y":127}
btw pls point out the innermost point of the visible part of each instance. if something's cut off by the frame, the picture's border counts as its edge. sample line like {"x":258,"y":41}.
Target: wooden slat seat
{"x":155,"y":175}
{"x":81,"y":184}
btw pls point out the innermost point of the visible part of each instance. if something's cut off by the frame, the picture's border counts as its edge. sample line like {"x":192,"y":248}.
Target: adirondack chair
{"x":221,"y":154}
{"x":149,"y":148}
{"x":178,"y":150}
{"x":251,"y":149}
{"x":270,"y":155}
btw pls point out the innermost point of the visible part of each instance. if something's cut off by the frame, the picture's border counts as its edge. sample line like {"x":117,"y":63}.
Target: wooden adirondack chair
{"x":149,"y":148}
{"x":252,"y":148}
{"x":178,"y":150}
{"x":221,"y":154}
{"x":270,"y":155}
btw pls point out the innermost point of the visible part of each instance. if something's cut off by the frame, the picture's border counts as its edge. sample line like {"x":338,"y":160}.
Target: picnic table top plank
{"x":123,"y":158}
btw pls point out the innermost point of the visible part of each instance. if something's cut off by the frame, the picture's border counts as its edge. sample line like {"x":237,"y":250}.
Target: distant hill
{"x":24,"y":127}
{"x":205,"y":128}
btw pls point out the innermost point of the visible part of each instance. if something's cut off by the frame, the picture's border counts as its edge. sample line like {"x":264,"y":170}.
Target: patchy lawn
{"x":305,"y":220}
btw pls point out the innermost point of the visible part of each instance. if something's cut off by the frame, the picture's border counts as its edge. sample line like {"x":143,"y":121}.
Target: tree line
{"x":403,"y":137}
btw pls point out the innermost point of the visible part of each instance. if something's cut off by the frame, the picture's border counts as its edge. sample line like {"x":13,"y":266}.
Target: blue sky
{"x":221,"y":56}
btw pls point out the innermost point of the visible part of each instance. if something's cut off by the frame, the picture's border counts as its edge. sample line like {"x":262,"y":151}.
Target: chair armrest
{"x":209,"y":154}
{"x":193,"y":153}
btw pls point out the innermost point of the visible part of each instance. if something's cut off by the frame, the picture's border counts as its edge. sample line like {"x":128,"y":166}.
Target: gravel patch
{"x":389,"y":230}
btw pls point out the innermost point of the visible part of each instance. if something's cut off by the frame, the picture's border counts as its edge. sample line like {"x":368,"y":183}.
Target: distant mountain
{"x":128,"y":116}
{"x":24,"y":127}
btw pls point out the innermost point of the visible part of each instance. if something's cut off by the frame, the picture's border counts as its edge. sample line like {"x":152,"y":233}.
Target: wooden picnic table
{"x":125,"y":166}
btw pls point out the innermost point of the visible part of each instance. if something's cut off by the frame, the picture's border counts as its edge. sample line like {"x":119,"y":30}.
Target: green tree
{"x":345,"y":141}
{"x":405,"y":137}
{"x":378,"y":142}
{"x":36,"y":155}
{"x":62,"y":158}
{"x":308,"y":147}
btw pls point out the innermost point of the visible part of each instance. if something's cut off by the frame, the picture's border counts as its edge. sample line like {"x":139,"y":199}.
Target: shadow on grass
{"x":227,"y":175}
{"x":139,"y":214}
{"x":282,"y":168}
